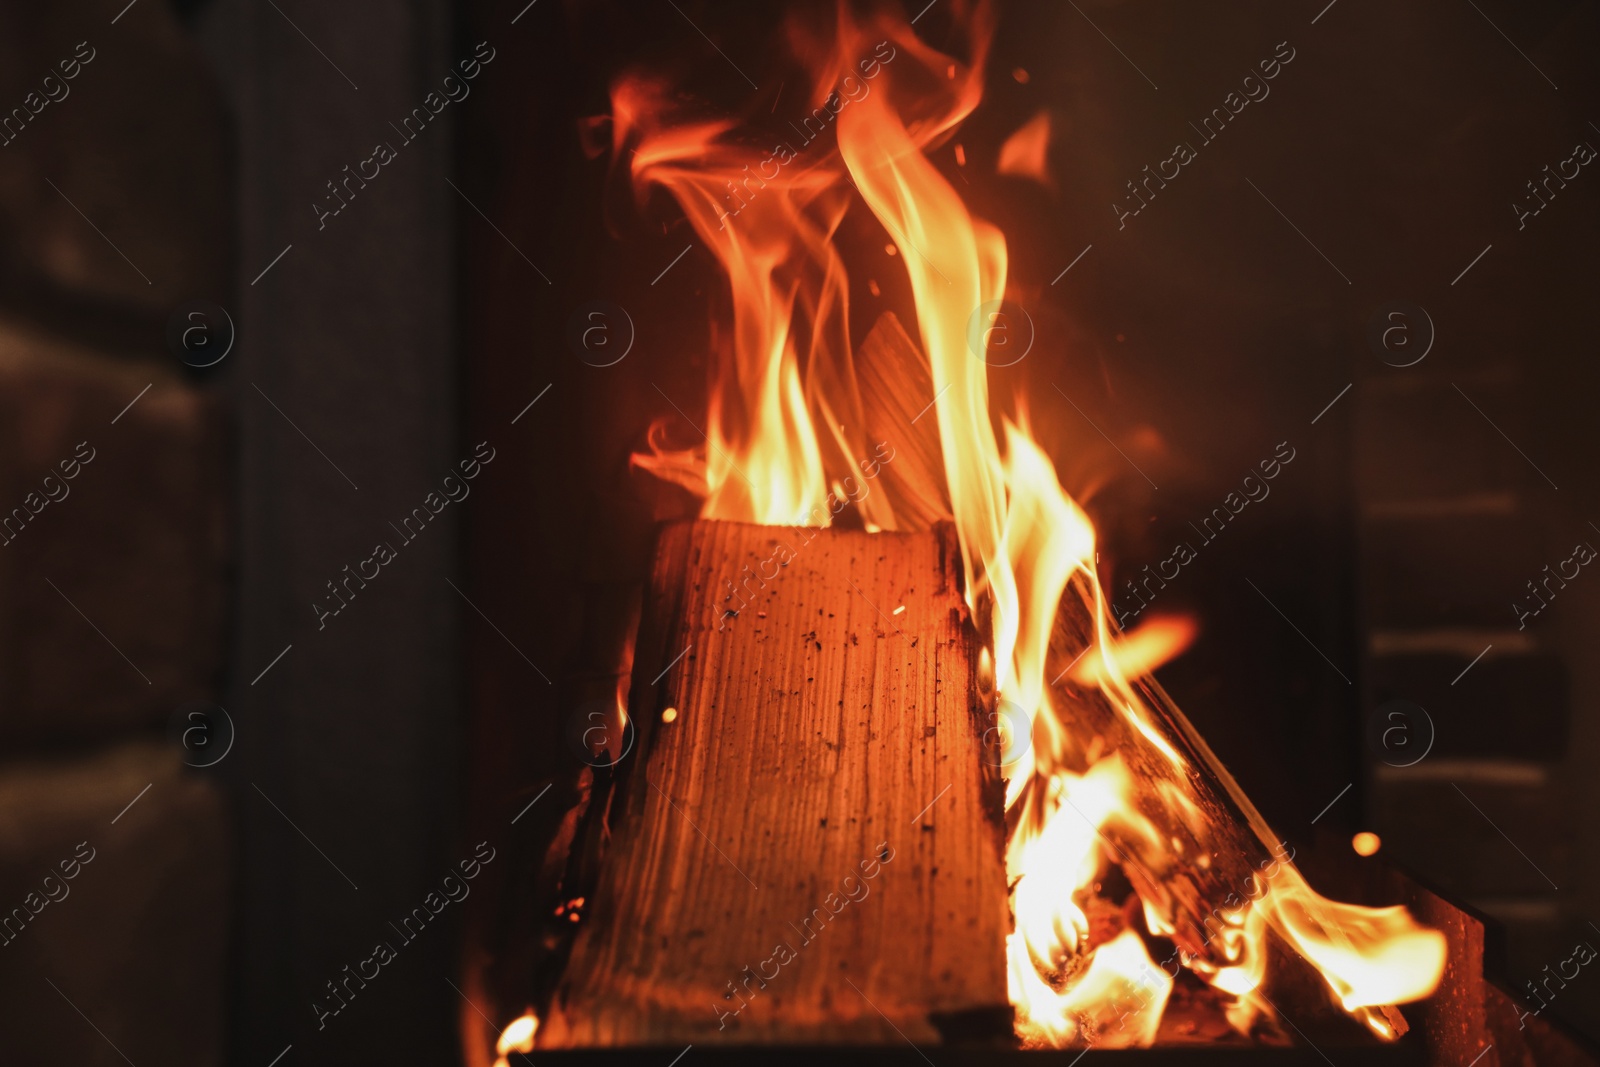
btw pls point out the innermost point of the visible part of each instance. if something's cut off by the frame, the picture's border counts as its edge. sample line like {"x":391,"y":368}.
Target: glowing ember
{"x":779,"y":431}
{"x":1366,"y":843}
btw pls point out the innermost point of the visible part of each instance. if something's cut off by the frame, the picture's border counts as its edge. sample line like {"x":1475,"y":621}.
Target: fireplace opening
{"x":853,"y":374}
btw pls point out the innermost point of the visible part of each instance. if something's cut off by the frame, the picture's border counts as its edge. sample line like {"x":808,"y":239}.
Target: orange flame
{"x":780,"y":428}
{"x":1136,"y":653}
{"x":770,"y":222}
{"x":1026,"y":153}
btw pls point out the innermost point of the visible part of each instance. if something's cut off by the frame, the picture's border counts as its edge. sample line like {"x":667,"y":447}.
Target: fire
{"x":517,"y":1037}
{"x":1135,"y":653}
{"x":1051,"y":942}
{"x":761,"y":460}
{"x":1026,"y":152}
{"x":780,"y":431}
{"x":1370,"y":957}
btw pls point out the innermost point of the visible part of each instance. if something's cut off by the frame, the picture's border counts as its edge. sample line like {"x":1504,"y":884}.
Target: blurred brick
{"x":138,"y":940}
{"x":1431,"y":829}
{"x":137,"y":544}
{"x":1446,"y":570}
{"x":139,"y":144}
{"x":1515,"y":707}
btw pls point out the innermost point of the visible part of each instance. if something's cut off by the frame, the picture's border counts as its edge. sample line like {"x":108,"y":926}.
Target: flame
{"x":1370,"y":957}
{"x":761,"y":460}
{"x":780,"y":430}
{"x":1050,"y":872}
{"x":517,"y":1037}
{"x":1026,"y":153}
{"x":1137,"y":653}
{"x":1121,"y":985}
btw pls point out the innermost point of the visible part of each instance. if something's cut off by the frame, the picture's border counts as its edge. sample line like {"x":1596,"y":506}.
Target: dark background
{"x":378,"y":351}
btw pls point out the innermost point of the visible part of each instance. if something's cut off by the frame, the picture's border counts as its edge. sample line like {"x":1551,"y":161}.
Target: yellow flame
{"x":1116,"y":1002}
{"x":517,"y":1037}
{"x":1135,"y":653}
{"x":1370,"y":957}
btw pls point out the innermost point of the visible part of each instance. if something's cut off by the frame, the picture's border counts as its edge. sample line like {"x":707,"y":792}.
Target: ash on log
{"x":808,"y":846}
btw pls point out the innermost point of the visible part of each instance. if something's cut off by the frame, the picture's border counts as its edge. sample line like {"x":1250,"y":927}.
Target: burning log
{"x":1209,"y":870}
{"x":1209,"y":873}
{"x":808,"y":845}
{"x":1209,"y":843}
{"x":1211,"y":852}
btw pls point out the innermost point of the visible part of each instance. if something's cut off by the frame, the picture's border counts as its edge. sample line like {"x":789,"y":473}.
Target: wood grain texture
{"x":897,"y":399}
{"x":821,"y":736}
